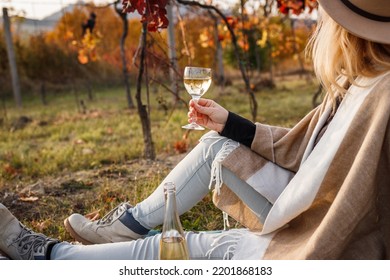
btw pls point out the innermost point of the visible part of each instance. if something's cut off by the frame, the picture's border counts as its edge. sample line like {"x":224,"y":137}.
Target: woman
{"x":317,"y":191}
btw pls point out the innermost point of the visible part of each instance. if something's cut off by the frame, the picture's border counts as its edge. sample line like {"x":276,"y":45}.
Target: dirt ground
{"x":44,"y":204}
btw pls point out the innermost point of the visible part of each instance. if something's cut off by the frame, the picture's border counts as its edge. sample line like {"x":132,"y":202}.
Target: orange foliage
{"x":284,"y":42}
{"x":68,"y":28}
{"x":67,"y":52}
{"x":199,"y":32}
{"x":87,"y":48}
{"x":102,"y":43}
{"x":181,"y":146}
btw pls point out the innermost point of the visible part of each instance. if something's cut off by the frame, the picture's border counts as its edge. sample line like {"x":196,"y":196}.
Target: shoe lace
{"x":29,"y":243}
{"x":113,"y":214}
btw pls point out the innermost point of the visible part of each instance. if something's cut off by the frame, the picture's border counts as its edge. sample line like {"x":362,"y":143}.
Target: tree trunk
{"x":267,"y":11}
{"x":4,"y":107}
{"x":173,"y":69}
{"x":81,"y":107}
{"x":11,"y":59}
{"x":271,"y":61}
{"x":123,"y":16}
{"x":43,"y":93}
{"x":149,"y":152}
{"x":299,"y":57}
{"x":220,"y":75}
{"x":89,"y":90}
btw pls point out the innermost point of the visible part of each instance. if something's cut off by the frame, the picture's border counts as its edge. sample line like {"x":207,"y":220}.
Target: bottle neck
{"x":171,"y":220}
{"x":170,"y":204}
{"x":173,"y":245}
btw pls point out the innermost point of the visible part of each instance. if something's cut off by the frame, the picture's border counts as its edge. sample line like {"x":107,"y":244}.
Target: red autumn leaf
{"x":181,"y":146}
{"x":221,"y":37}
{"x":10,"y":170}
{"x":130,"y":6}
{"x":232,"y":21}
{"x":164,"y":20}
{"x":153,"y":12}
{"x":296,"y":6}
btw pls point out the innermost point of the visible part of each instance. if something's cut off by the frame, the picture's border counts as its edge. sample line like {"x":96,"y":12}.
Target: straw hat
{"x":368,"y":19}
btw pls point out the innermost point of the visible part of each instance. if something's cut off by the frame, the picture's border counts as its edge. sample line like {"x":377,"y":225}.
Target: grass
{"x":63,"y":161}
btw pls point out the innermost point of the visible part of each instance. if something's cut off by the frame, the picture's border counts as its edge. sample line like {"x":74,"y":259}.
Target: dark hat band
{"x":364,"y":13}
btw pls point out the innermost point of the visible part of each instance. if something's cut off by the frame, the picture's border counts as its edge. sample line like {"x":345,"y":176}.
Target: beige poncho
{"x":331,"y":200}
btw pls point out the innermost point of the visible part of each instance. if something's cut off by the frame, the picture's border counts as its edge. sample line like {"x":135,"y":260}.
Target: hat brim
{"x":358,"y":25}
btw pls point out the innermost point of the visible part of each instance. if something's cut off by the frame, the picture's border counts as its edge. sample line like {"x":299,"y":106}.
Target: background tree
{"x":143,"y":110}
{"x":4,"y":77}
{"x":153,"y":15}
{"x":12,"y":59}
{"x":220,"y":73}
{"x":125,"y":25}
{"x":4,"y":71}
{"x":171,"y":40}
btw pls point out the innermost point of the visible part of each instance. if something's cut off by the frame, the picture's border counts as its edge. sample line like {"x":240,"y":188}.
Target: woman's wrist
{"x":239,"y":129}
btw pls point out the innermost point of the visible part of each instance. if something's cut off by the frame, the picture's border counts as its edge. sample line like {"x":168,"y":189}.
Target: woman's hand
{"x":208,"y":113}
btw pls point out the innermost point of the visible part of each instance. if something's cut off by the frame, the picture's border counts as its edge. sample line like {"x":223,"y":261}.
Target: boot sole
{"x":4,"y":255}
{"x":72,"y":232}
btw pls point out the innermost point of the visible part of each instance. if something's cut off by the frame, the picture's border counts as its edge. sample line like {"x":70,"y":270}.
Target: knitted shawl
{"x":331,"y":200}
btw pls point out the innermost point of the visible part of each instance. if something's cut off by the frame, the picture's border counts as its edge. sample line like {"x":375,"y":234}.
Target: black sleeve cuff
{"x":239,"y":129}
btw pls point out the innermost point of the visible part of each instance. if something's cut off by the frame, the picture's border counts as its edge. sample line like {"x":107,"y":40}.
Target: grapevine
{"x":153,"y":12}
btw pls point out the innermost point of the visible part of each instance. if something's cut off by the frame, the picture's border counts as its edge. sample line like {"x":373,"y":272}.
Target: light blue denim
{"x":211,"y":245}
{"x":192,"y":178}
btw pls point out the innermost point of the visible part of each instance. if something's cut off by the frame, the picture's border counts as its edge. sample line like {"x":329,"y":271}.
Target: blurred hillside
{"x":27,"y":26}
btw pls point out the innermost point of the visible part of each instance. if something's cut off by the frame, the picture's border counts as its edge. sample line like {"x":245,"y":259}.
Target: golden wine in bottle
{"x":173,"y":245}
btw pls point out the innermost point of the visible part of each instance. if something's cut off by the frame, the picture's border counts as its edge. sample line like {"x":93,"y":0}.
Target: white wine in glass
{"x":197,"y":81}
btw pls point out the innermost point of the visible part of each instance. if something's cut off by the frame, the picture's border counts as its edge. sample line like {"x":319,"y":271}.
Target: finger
{"x":192,"y":114}
{"x":192,"y":103}
{"x":203,"y":110}
{"x":204,"y":102}
{"x":192,"y":111}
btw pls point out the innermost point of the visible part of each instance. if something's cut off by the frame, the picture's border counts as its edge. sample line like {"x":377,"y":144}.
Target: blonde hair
{"x":336,"y":53}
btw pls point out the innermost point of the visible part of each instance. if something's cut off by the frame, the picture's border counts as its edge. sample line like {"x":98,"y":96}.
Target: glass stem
{"x":195,"y":118}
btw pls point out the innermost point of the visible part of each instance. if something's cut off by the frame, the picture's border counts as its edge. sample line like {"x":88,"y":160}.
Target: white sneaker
{"x":20,"y":243}
{"x":106,"y":230}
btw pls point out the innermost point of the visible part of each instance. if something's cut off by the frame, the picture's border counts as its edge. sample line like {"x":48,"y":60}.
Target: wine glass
{"x":197,"y":81}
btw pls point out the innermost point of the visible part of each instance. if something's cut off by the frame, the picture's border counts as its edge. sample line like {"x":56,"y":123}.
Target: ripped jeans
{"x":193,"y":177}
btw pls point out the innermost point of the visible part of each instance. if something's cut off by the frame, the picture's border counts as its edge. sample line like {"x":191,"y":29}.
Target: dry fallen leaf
{"x":79,"y":141}
{"x":42,"y":225}
{"x":29,"y":199}
{"x":93,"y":216}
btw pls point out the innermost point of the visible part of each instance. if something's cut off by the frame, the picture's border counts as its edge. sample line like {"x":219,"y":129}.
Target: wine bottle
{"x":173,"y":245}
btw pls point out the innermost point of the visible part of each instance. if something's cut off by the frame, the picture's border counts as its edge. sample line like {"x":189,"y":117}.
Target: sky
{"x":38,"y":9}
